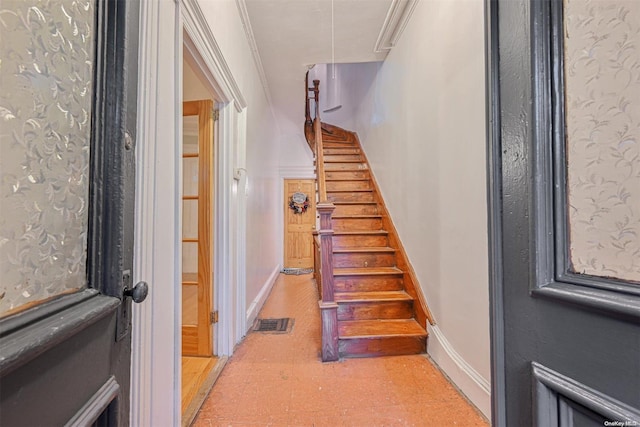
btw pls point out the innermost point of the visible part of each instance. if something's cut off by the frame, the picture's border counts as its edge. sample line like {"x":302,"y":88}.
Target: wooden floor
{"x":198,"y":376}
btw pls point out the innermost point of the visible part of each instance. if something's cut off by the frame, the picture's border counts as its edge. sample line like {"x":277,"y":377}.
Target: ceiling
{"x":288,"y":36}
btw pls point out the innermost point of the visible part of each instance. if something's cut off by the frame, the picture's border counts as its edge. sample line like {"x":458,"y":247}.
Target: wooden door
{"x":197,"y":216}
{"x":299,"y":222}
{"x":564,"y":210}
{"x":68,"y":102}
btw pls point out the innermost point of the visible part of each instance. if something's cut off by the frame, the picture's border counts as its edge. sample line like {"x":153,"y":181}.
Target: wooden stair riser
{"x":376,"y":314}
{"x":334,"y":143}
{"x":336,"y":136}
{"x":376,"y":347}
{"x":367,"y":283}
{"x":359,"y":240}
{"x":356,"y":209}
{"x":350,"y":259}
{"x":352,"y":310}
{"x":348,"y":166}
{"x":345,"y":175}
{"x":348,"y":185}
{"x":341,"y":150}
{"x":356,"y":196}
{"x":335,"y":158}
{"x":355,"y":223}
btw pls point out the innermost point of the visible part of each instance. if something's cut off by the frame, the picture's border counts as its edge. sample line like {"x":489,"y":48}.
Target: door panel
{"x":298,"y":227}
{"x":197,"y":216}
{"x":68,"y":356}
{"x":565,"y":325}
{"x":44,"y":217}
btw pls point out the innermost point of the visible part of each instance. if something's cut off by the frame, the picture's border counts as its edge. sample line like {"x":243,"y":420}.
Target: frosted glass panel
{"x":602,"y":78}
{"x":190,"y":219}
{"x":46,"y":75}
{"x":190,"y":259}
{"x":190,"y":173}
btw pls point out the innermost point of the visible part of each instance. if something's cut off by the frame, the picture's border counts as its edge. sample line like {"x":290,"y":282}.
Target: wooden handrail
{"x":323,"y":243}
{"x":322,"y":184}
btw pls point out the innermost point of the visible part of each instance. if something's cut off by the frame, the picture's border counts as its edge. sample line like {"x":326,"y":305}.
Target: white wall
{"x":261,"y":162}
{"x":194,"y":87}
{"x":422,"y":125}
{"x":250,"y":144}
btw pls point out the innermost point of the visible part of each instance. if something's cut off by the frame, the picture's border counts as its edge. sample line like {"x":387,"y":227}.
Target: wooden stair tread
{"x":355,"y":329}
{"x":343,"y":160}
{"x":331,"y":151}
{"x":366,"y":271}
{"x":372,"y":296}
{"x":346,"y":179}
{"x":363,"y":249}
{"x":359,"y":190}
{"x":355,"y":202}
{"x":356,"y":216}
{"x":360,"y":232}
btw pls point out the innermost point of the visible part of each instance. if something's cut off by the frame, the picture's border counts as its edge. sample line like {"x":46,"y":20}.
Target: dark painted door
{"x":68,"y":133}
{"x":564,"y":169}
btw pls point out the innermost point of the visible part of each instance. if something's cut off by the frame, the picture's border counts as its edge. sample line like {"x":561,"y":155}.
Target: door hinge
{"x":214,"y":317}
{"x":216,"y":115}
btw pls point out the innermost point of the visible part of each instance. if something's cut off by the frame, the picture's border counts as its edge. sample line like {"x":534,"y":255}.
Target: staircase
{"x":376,"y":311}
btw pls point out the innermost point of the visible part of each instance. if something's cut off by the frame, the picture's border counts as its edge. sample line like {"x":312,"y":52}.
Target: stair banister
{"x":325,"y":208}
{"x":307,"y":110}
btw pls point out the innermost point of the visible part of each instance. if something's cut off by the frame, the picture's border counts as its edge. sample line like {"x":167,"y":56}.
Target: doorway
{"x":299,"y":222}
{"x":565,"y":295}
{"x":197,"y":240}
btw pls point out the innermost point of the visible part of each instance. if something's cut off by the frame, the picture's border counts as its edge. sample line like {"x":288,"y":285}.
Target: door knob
{"x":138,"y":293}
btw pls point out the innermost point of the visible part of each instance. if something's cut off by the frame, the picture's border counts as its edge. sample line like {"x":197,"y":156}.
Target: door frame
{"x":312,"y":211}
{"x":82,"y":338}
{"x":166,"y":28}
{"x":290,"y":172}
{"x":494,"y":218}
{"x":541,"y":115}
{"x":205,"y":236}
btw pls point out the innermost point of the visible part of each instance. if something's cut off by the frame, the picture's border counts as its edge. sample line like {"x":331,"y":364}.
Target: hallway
{"x":279,"y":380}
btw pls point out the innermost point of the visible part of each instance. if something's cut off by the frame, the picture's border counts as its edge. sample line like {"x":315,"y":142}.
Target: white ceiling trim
{"x":397,"y":18}
{"x":201,"y":39}
{"x":246,"y":23}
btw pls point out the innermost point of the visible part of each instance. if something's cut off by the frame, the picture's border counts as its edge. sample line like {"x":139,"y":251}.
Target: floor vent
{"x":275,"y":326}
{"x":297,"y":271}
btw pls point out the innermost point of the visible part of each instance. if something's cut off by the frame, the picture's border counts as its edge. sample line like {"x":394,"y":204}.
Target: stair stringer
{"x":411,"y":283}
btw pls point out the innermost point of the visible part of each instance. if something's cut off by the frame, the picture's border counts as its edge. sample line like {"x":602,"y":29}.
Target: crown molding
{"x":203,"y":46}
{"x":253,"y":46}
{"x":397,"y":18}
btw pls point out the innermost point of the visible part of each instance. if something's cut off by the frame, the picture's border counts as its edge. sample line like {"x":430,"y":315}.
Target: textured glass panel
{"x":602,"y":77}
{"x":190,"y":258}
{"x":190,"y":219}
{"x":46,"y":75}
{"x":190,"y":173}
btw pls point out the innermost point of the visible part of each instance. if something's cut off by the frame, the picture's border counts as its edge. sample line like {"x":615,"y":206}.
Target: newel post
{"x":307,"y":110}
{"x":328,"y":305}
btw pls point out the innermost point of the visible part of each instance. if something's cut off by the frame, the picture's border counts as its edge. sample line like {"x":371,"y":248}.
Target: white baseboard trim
{"x":474,"y":386}
{"x":258,"y":302}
